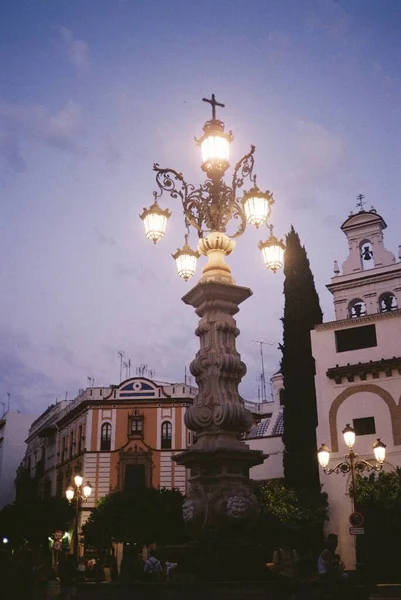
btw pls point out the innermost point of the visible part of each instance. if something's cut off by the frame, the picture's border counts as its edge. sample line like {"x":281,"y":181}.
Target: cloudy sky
{"x":92,"y":92}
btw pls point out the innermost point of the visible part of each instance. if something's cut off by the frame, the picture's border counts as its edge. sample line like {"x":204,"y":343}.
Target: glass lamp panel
{"x":349,"y":436}
{"x":257,"y":209}
{"x":185,"y":260}
{"x":215,"y":147}
{"x":69,"y":492}
{"x":379,"y":450}
{"x":78,"y":479}
{"x":273,"y":255}
{"x":87,"y":489}
{"x":155,"y":222}
{"x":323,"y":456}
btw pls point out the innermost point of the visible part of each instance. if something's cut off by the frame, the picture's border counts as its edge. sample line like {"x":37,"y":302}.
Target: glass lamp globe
{"x":257,"y":206}
{"x":379,"y":449}
{"x":272,"y":252}
{"x":185,"y":260}
{"x":69,"y":492}
{"x":215,"y":146}
{"x":78,"y":479}
{"x":349,"y":435}
{"x":155,"y":222}
{"x":323,"y":456}
{"x":87,"y":489}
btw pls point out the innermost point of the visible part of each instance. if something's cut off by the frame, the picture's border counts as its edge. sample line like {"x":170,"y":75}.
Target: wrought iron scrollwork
{"x":212,"y":205}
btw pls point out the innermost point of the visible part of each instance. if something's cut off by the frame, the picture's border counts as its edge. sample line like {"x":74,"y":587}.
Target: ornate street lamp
{"x":352,"y":462}
{"x":80,"y":494}
{"x":210,"y":207}
{"x":220,"y":498}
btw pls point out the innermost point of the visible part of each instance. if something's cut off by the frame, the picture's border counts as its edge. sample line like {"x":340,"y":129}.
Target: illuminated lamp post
{"x":220,"y":499}
{"x":79,"y":493}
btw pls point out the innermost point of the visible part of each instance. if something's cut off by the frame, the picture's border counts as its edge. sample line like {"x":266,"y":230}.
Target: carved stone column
{"x":220,"y":501}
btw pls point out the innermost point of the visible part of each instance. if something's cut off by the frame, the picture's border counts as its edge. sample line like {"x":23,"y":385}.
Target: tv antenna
{"x":263,"y":394}
{"x":91,"y":381}
{"x":127,"y":367}
{"x":144,"y":371}
{"x":121,"y":354}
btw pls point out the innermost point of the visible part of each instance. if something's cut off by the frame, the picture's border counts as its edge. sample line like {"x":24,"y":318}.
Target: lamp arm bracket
{"x":173,"y":182}
{"x":343,"y":467}
{"x":362,"y":465}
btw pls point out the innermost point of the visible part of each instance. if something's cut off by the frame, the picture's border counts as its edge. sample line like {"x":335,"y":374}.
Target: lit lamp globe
{"x":69,"y":492}
{"x":185,"y":260}
{"x":78,"y":479}
{"x":379,"y":449}
{"x":272,"y":252}
{"x":155,"y":222}
{"x":87,"y":489}
{"x":323,"y":456}
{"x":215,"y":147}
{"x":349,"y":435}
{"x":257,"y":206}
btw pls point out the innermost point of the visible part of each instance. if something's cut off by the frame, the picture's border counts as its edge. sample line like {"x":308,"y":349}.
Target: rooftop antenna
{"x":66,"y":395}
{"x":91,"y":381}
{"x":185,"y":375}
{"x":127,"y":366}
{"x":9,"y":400}
{"x":121,"y":354}
{"x":4,"y":409}
{"x":262,"y":376}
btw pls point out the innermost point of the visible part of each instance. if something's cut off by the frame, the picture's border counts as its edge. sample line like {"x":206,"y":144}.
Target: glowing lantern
{"x":155,"y":221}
{"x":185,"y":259}
{"x":272,"y":251}
{"x":349,"y":435}
{"x":257,"y":206}
{"x":379,"y":450}
{"x":87,"y":489}
{"x":323,"y":455}
{"x":69,"y":492}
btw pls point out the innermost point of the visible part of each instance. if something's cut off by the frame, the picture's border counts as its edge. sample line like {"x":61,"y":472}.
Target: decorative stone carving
{"x":219,"y":495}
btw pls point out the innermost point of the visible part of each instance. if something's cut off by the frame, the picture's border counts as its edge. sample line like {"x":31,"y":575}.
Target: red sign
{"x":356,"y":519}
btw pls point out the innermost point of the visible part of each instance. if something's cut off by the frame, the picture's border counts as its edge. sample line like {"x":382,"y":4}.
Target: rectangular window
{"x":136,"y":427}
{"x":134,"y":478}
{"x":356,"y":338}
{"x":364,"y":426}
{"x":79,"y":439}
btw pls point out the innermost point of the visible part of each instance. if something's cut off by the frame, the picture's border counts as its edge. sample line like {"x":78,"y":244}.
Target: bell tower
{"x":370,"y":281}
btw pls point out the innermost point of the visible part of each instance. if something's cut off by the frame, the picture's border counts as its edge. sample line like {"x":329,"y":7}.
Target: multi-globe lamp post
{"x":352,"y":462}
{"x":220,"y":499}
{"x":79,"y":493}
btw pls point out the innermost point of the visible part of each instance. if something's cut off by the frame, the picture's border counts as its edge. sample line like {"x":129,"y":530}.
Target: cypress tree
{"x":301,"y":313}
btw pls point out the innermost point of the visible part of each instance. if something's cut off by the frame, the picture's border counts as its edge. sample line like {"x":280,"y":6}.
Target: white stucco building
{"x":358,"y":362}
{"x":14,"y":428}
{"x":267,"y":434}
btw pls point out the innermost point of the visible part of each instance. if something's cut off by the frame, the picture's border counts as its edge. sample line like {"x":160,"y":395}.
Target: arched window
{"x":167,"y":431}
{"x":367,"y":255}
{"x":387,"y":302}
{"x":105,"y":437}
{"x":356,"y":308}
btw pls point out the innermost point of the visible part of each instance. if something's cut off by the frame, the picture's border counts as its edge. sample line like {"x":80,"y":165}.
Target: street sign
{"x":357,"y":530}
{"x":356,"y":519}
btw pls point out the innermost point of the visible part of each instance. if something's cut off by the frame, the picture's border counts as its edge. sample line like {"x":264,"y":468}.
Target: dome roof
{"x":278,"y":428}
{"x":261,"y":429}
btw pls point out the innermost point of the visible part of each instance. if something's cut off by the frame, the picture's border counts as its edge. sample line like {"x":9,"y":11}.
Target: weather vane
{"x":360,"y":202}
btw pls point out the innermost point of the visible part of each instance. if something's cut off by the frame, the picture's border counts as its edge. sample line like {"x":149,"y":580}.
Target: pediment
{"x":140,"y":388}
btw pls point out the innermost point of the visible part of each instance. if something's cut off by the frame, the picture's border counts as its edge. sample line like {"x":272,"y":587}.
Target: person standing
{"x":285,"y":561}
{"x":153,"y":569}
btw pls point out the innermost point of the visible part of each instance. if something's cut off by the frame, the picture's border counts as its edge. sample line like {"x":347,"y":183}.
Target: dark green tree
{"x":143,"y":517}
{"x":301,"y":313}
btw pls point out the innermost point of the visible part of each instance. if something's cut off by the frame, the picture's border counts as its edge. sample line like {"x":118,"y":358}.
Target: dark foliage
{"x":143,"y":517}
{"x":301,"y":313}
{"x":32,"y":522}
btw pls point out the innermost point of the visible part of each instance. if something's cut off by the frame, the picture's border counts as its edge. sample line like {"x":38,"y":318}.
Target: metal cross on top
{"x":360,"y":202}
{"x":214,"y":103}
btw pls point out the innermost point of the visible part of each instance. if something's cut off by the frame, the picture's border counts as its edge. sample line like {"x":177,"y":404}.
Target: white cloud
{"x":20,"y":124}
{"x":77,"y":51}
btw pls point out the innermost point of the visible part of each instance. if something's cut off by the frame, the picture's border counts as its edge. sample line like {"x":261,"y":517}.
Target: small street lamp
{"x":352,"y":462}
{"x":79,"y":493}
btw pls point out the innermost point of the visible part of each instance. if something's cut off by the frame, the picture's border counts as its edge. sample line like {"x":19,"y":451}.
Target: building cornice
{"x":361,"y":370}
{"x":358,"y":320}
{"x":360,"y":278}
